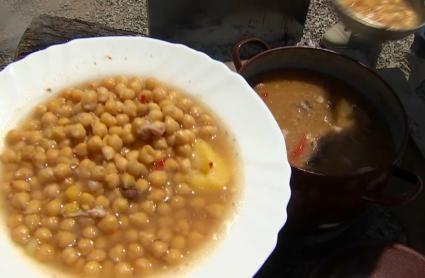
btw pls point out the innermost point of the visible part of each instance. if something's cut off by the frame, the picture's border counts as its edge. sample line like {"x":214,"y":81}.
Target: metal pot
{"x":320,"y":201}
{"x":372,"y":32}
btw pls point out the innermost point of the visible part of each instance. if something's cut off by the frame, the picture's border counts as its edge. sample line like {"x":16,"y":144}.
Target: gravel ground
{"x":15,"y":15}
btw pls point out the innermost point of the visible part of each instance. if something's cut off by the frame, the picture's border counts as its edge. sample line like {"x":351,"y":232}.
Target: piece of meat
{"x":147,"y":128}
{"x":130,"y":193}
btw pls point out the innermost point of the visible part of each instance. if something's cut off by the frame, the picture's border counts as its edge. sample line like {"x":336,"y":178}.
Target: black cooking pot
{"x":321,"y":201}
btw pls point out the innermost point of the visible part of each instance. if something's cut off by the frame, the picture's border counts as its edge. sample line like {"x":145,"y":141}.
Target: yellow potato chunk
{"x":209,"y":172}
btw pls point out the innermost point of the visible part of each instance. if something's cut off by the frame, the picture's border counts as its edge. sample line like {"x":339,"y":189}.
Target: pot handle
{"x":404,"y":175}
{"x":237,"y":49}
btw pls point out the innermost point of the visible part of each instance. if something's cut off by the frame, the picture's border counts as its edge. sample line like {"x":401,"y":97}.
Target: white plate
{"x":252,"y":235}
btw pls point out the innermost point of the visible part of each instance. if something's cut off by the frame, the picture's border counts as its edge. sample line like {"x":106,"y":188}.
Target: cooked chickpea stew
{"x":327,"y":128}
{"x":122,"y":177}
{"x":393,"y":14}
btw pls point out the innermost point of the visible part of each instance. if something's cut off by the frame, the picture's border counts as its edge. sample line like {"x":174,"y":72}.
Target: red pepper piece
{"x":299,"y":149}
{"x":264,"y":95}
{"x":143,"y":99}
{"x":159,"y":164}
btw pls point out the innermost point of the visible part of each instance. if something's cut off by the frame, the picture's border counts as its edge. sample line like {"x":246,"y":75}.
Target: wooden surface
{"x":47,"y":30}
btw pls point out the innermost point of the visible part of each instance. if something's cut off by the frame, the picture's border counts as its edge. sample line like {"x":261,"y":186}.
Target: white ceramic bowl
{"x":252,"y":234}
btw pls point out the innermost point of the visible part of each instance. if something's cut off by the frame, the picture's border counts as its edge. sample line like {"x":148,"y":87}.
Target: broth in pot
{"x":327,"y":128}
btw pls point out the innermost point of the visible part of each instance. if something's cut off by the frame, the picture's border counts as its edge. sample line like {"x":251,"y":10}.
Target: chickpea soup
{"x":393,"y":14}
{"x":123,"y":177}
{"x":327,"y":128}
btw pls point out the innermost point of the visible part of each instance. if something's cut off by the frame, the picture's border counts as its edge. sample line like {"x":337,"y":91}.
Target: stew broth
{"x":326,"y":128}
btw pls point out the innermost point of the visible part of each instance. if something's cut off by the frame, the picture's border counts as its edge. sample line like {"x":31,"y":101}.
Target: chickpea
{"x":171,"y":125}
{"x":53,"y":208}
{"x":90,"y":232}
{"x":9,"y":156}
{"x":65,"y":239}
{"x":14,"y":220}
{"x":159,"y":94}
{"x":142,"y":265}
{"x":139,"y":219}
{"x":102,"y":201}
{"x":89,"y":100}
{"x":178,"y":202}
{"x":188,"y":121}
{"x":126,"y":93}
{"x":21,"y":234}
{"x":148,"y":206}
{"x":108,"y":152}
{"x":14,"y":136}
{"x":102,"y":94}
{"x":120,"y":205}
{"x":208,"y":131}
{"x":146,"y":237}
{"x":184,"y":150}
{"x":94,"y":144}
{"x":112,"y":180}
{"x":115,"y":142}
{"x":128,"y":138}
{"x":160,"y":143}
{"x":45,"y":253}
{"x":165,"y":234}
{"x":178,"y":242}
{"x":155,"y":115}
{"x":92,"y":269}
{"x":70,"y":256}
{"x":51,"y":222}
{"x":120,"y":162}
{"x":159,"y":248}
{"x":43,"y":234}
{"x":134,"y":251}
{"x":46,"y":175}
{"x":117,"y":253}
{"x":99,"y":129}
{"x":32,"y":221}
{"x":76,"y":131}
{"x":157,"y":178}
{"x":182,"y":226}
{"x":156,"y":195}
{"x":130,"y":108}
{"x":164,"y":209}
{"x":111,"y":107}
{"x":151,"y":83}
{"x":184,"y":137}
{"x":173,"y":112}
{"x":123,"y":270}
{"x":68,"y":224}
{"x":142,"y":185}
{"x":20,"y":185}
{"x":136,"y":168}
{"x":85,"y":245}
{"x":62,"y":171}
{"x":48,"y":119}
{"x":173,"y":256}
{"x":195,"y":238}
{"x":20,"y":200}
{"x":87,"y":200}
{"x":108,"y":224}
{"x":97,"y":255}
